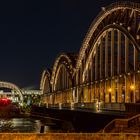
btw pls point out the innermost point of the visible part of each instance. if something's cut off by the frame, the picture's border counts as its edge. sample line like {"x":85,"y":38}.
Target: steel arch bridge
{"x":12,"y":86}
{"x":107,"y":68}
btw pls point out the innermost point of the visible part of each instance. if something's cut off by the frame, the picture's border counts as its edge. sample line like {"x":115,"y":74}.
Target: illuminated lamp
{"x":110,"y":90}
{"x":128,"y":73}
{"x":128,"y":28}
{"x":132,"y":87}
{"x":138,"y":37}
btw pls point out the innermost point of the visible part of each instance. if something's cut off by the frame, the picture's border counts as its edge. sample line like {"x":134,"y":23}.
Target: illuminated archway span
{"x":13,"y":87}
{"x":112,"y":67}
{"x":68,"y":61}
{"x":107,"y":68}
{"x":125,"y":14}
{"x":45,"y":85}
{"x":101,"y":35}
{"x":60,"y":82}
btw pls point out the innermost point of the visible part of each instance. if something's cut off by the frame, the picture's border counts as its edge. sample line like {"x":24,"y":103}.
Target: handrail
{"x":112,"y":123}
{"x":107,"y":127}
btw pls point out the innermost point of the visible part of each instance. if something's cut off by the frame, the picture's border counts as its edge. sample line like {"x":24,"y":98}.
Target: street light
{"x":109,"y":90}
{"x":132,"y":87}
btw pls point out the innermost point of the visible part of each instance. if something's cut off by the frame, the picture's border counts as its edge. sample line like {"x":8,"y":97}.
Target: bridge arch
{"x":123,"y":17}
{"x":68,"y":61}
{"x":13,"y":87}
{"x":45,"y":84}
{"x":125,"y":14}
{"x":113,"y":54}
{"x":108,"y":65}
{"x":59,"y":83}
{"x":63,"y":78}
{"x":118,"y":32}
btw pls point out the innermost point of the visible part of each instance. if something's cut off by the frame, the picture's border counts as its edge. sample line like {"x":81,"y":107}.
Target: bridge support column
{"x":130,"y":94}
{"x":126,"y":68}
{"x":106,"y":68}
{"x":108,"y":91}
{"x":136,"y":75}
{"x":106,"y":55}
{"x":119,"y":84}
{"x":101,"y":57}
{"x":137,"y":85}
{"x":112,"y":67}
{"x":119,"y":53}
{"x":119,"y":90}
{"x":92,"y":93}
{"x":78,"y":95}
{"x":112,"y":52}
{"x":113,"y":90}
{"x":96,"y":64}
{"x":77,"y":87}
{"x":105,"y":91}
{"x":100,"y":91}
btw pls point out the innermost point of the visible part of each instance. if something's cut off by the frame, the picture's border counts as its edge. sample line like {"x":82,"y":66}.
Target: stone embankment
{"x":69,"y":136}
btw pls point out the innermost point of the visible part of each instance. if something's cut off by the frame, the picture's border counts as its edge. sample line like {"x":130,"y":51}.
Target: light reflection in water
{"x":23,"y":125}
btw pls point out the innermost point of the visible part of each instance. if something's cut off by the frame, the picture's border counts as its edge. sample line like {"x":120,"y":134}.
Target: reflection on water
{"x":26,"y":125}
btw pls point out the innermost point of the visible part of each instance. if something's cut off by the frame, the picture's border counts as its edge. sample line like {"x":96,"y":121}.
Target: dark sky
{"x":34,"y":32}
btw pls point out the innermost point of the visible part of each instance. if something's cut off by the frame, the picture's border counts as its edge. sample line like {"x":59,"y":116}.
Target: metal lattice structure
{"x":12,"y":86}
{"x":107,"y":67}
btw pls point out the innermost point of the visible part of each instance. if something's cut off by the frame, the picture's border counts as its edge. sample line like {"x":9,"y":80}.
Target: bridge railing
{"x":66,"y":105}
{"x":52,"y":105}
{"x":85,"y":106}
{"x":109,"y":126}
{"x":113,"y":106}
{"x":90,"y":106}
{"x":133,"y":107}
{"x":134,"y":121}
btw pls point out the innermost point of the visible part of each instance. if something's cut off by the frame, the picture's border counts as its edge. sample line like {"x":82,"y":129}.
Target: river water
{"x":28,"y":125}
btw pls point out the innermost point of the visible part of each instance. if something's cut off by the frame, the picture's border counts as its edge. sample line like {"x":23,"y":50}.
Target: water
{"x":30,"y":125}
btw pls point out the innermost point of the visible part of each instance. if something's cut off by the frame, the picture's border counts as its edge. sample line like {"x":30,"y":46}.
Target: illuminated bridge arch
{"x":107,"y":68}
{"x":113,"y":63}
{"x":125,"y":15}
{"x":62,"y":77}
{"x":45,"y":85}
{"x":67,"y":61}
{"x":108,"y":62}
{"x":12,"y":86}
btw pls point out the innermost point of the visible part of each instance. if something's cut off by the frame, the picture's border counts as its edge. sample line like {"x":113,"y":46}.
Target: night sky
{"x":33,"y":33}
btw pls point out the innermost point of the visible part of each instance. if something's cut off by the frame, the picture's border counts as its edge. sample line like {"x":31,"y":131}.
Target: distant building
{"x":31,"y":92}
